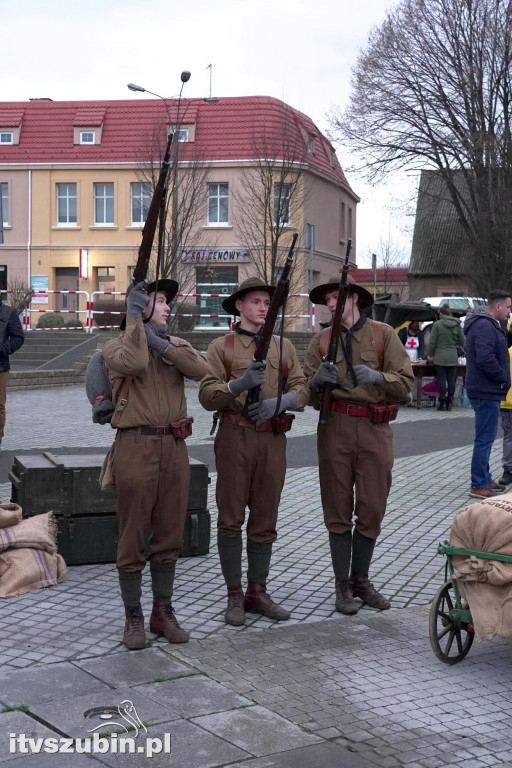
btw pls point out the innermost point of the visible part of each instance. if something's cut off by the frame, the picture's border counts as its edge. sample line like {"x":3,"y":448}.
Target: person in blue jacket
{"x":487,"y":383}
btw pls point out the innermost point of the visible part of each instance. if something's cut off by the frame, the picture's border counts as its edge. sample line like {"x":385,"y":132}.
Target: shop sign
{"x":218,"y":255}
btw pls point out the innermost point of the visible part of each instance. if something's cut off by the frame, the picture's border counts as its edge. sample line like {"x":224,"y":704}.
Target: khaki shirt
{"x":214,"y":394}
{"x":157,"y":393}
{"x":397,"y":370}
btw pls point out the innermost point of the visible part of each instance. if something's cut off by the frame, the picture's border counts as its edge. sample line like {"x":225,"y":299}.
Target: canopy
{"x":387,"y":309}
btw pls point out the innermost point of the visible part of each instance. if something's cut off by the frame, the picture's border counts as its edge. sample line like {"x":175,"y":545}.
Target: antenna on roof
{"x":210,"y":68}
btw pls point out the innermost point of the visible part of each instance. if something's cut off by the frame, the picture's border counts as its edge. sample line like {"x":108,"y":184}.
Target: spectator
{"x":11,"y":339}
{"x":445,"y":343}
{"x":413,"y":340}
{"x":487,"y":383}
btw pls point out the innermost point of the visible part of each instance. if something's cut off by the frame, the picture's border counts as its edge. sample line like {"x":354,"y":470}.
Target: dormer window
{"x":6,"y":137}
{"x":311,"y":144}
{"x":86,"y":137}
{"x":183,"y":134}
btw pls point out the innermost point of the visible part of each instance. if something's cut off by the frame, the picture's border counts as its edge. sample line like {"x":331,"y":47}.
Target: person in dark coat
{"x":487,"y":383}
{"x":11,"y":339}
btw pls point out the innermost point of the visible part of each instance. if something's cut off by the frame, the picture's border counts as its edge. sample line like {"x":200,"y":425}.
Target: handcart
{"x":451,"y":628}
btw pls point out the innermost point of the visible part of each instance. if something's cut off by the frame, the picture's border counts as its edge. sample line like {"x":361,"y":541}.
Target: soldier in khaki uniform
{"x":151,"y":464}
{"x":250,"y":455}
{"x":355,"y":446}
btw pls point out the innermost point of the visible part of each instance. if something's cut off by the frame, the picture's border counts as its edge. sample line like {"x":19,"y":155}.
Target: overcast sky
{"x":295,"y":50}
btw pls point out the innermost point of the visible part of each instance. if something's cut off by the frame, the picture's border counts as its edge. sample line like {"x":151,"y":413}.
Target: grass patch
{"x":19,"y":708}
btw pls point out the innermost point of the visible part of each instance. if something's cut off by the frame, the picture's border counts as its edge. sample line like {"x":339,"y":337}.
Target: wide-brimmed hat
{"x":169,"y":287}
{"x":317,"y":295}
{"x":251,"y":284}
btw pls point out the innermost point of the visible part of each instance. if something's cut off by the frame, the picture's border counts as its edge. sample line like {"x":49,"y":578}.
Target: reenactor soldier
{"x":147,"y":368}
{"x":250,"y":446}
{"x":355,"y":445}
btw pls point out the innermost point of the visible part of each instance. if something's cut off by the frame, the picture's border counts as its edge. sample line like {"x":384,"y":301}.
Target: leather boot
{"x":134,"y":636}
{"x":448,"y":404}
{"x":258,"y":601}
{"x":442,"y":403}
{"x":164,"y":622}
{"x":345,"y":602}
{"x":364,"y":589}
{"x":235,"y":612}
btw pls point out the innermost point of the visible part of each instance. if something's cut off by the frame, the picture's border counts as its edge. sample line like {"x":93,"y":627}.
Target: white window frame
{"x":144,"y":185}
{"x":84,"y":140}
{"x":5,"y":202}
{"x":282,"y":197}
{"x":102,"y":199}
{"x":311,"y":144}
{"x":68,"y":197}
{"x":215,"y":195}
{"x":6,"y":137}
{"x":183,"y":134}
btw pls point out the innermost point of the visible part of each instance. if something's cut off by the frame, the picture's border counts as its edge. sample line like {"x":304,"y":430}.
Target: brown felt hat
{"x":317,"y":295}
{"x":169,"y":287}
{"x":251,"y":284}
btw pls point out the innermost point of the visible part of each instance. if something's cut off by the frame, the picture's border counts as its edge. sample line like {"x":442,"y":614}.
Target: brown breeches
{"x":152,"y":480}
{"x":353,"y":452}
{"x":4,"y":375}
{"x":251,"y":468}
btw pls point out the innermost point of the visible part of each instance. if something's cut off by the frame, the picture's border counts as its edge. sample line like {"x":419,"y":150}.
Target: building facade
{"x":76,"y":180}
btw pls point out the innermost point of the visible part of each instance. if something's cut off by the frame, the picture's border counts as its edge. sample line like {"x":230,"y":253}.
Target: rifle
{"x":156,"y":209}
{"x":265,"y":335}
{"x":335,"y":337}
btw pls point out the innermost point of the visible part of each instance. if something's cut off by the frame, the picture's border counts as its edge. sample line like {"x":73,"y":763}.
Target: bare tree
{"x":20,"y":296}
{"x":389,"y":258}
{"x":271,"y":196}
{"x":432,"y":89}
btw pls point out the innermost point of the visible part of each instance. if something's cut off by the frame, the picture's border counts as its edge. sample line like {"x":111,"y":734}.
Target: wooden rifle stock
{"x":157,"y":204}
{"x":332,"y":351}
{"x":265,"y":336}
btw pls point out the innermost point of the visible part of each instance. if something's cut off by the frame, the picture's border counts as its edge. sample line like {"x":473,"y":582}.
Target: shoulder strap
{"x":325,"y":338}
{"x":284,"y":361}
{"x":378,"y":340}
{"x":122,"y":400}
{"x":229,"y":353}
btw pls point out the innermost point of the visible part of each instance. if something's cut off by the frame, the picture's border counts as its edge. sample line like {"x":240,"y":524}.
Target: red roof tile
{"x":389,"y":275}
{"x":11,"y":115}
{"x":235,"y":128}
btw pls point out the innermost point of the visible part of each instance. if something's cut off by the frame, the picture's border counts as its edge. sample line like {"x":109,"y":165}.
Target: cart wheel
{"x":450,"y":640}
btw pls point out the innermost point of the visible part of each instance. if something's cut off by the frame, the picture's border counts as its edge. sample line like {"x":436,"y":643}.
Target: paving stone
{"x":46,"y":683}
{"x":190,"y":746}
{"x":192,"y":696}
{"x":256,"y":730}
{"x":19,"y":723}
{"x":68,"y":716}
{"x":318,"y":756}
{"x":133,"y":667}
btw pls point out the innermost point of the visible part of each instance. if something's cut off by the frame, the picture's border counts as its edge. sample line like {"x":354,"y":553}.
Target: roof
{"x":235,"y":128}
{"x":440,"y":245}
{"x":383,"y":275}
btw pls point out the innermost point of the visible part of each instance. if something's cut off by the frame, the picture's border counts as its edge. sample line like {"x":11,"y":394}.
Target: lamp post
{"x":175,"y":129}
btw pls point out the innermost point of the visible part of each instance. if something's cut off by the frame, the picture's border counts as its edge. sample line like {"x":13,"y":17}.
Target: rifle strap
{"x":122,"y":400}
{"x":229,"y":352}
{"x":378,"y":340}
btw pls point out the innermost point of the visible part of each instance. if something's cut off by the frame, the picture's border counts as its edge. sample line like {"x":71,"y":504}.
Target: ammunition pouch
{"x":182,"y":428}
{"x":382,"y":413}
{"x":282,"y":423}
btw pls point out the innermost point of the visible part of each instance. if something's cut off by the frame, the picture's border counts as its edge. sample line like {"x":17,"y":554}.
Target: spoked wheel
{"x":450,"y":637}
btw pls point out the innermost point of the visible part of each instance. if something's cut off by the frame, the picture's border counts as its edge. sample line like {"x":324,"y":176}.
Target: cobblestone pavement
{"x":369,"y":683}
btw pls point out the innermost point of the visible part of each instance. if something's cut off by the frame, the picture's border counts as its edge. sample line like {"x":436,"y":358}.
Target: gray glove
{"x":154,"y":340}
{"x":137,"y":300}
{"x":326,"y":374}
{"x":366,"y":375}
{"x":102,"y":411}
{"x":265,"y":409}
{"x":253,"y":377}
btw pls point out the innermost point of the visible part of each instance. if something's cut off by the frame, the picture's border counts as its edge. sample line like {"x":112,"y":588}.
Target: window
{"x":218,"y":197}
{"x":104,"y":203}
{"x":6,"y":137}
{"x":66,"y":203}
{"x":183,"y":134}
{"x":4,"y":189}
{"x":86,"y":137}
{"x":105,"y":278}
{"x":311,"y":143}
{"x":141,"y":199}
{"x":223,"y":281}
{"x":281,"y":204}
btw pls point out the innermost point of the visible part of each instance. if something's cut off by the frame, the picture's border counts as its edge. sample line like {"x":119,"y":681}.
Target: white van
{"x":462,"y":303}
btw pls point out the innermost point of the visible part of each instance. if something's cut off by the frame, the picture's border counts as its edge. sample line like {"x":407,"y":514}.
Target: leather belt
{"x":161,"y":431}
{"x":231,"y":418}
{"x":351,"y":410}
